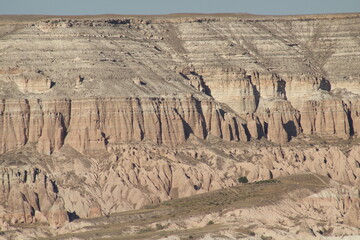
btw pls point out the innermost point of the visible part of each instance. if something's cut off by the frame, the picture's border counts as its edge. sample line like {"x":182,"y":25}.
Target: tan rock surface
{"x":111,"y":113}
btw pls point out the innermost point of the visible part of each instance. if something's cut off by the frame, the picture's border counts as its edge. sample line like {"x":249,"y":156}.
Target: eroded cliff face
{"x":87,"y":124}
{"x":241,"y":61}
{"x":68,"y":185}
{"x":111,"y":114}
{"x":29,"y":196}
{"x":90,"y":124}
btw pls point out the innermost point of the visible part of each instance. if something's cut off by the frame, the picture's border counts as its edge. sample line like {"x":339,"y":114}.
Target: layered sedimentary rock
{"x":238,"y":60}
{"x":88,"y":124}
{"x":330,"y":114}
{"x":94,"y":123}
{"x":100,"y":115}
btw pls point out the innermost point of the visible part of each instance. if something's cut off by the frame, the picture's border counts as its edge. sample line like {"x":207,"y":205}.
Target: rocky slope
{"x":110,"y":113}
{"x":241,"y":61}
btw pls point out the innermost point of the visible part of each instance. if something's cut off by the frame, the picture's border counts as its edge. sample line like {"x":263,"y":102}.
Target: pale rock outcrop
{"x":254,"y":126}
{"x":14,"y":124}
{"x":32,"y":81}
{"x":325,"y":116}
{"x":57,"y":214}
{"x":352,"y":217}
{"x":232,"y":87}
{"x":352,"y":108}
{"x":275,"y":130}
{"x":55,"y":119}
{"x":95,"y":211}
{"x":280,"y":121}
{"x":29,"y":196}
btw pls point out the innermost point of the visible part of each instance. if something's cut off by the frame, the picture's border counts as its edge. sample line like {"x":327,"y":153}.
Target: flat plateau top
{"x":171,"y":55}
{"x":245,"y":16}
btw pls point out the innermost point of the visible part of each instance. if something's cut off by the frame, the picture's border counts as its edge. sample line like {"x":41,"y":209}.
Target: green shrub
{"x":145,"y":230}
{"x":210,"y":222}
{"x":267,"y":181}
{"x":266,"y":238}
{"x":159,"y":226}
{"x":243,"y":180}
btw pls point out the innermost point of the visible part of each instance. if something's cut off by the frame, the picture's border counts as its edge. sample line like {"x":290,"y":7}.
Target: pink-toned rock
{"x":325,"y":117}
{"x":276,"y":132}
{"x":95,"y":211}
{"x":57,"y":215}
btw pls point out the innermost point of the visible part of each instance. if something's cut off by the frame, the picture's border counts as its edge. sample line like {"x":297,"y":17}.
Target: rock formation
{"x":95,"y":123}
{"x":30,"y":196}
{"x":102,"y":114}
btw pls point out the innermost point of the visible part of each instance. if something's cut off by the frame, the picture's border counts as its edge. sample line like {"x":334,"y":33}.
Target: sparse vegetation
{"x":243,"y":179}
{"x":267,"y":181}
{"x":240,"y":196}
{"x":159,"y":226}
{"x":152,"y":206}
{"x":145,"y":230}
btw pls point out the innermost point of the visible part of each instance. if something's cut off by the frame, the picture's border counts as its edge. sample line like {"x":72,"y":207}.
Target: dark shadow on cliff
{"x":281,"y":88}
{"x":351,"y":123}
{"x":72,"y":216}
{"x":290,"y":129}
{"x":247,"y":132}
{"x":187,"y":129}
{"x":257,"y":97}
{"x":325,"y":85}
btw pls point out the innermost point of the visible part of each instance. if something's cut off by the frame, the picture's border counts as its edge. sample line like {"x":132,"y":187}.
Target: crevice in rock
{"x":231,"y":133}
{"x":23,"y":197}
{"x":257,"y":97}
{"x":280,"y":87}
{"x":247,"y":132}
{"x":27,"y":119}
{"x":55,"y":188}
{"x":266,"y":129}
{"x":205,"y":87}
{"x":25,"y":176}
{"x":32,"y":211}
{"x":325,"y":85}
{"x":237,"y":131}
{"x":191,"y":75}
{"x":202,"y":118}
{"x":72,"y":216}
{"x":187,"y":128}
{"x":69,"y":120}
{"x":36,"y":172}
{"x":37,"y":201}
{"x":260,"y":130}
{"x":106,"y":139}
{"x":290,"y":129}
{"x":351,"y":123}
